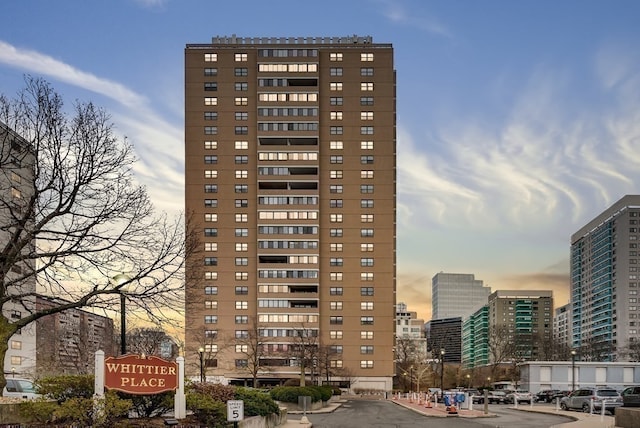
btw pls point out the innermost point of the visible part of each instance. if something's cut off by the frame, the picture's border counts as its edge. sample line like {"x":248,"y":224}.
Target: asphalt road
{"x":379,"y":414}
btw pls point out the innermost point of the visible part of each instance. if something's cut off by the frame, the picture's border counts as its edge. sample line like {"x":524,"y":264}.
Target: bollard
{"x":602,"y":409}
{"x":557,"y":404}
{"x":531,"y":402}
{"x":591,"y":407}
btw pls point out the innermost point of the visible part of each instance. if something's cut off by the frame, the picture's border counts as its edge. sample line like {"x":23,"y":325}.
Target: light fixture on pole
{"x":13,"y":372}
{"x":411,"y":379}
{"x":468,"y":381}
{"x":201,"y":353}
{"x":120,"y":279}
{"x":442,"y":370}
{"x":573,"y":370}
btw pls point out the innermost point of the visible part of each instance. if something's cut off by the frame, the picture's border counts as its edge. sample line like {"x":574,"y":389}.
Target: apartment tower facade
{"x":604,"y":283}
{"x":290,"y":154}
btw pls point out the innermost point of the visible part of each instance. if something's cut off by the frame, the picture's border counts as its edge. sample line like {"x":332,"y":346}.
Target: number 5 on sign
{"x":235,"y":410}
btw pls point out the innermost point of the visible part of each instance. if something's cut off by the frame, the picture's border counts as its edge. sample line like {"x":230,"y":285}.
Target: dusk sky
{"x":518,"y":121}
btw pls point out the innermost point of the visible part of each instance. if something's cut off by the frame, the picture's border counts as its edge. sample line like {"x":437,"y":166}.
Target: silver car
{"x":583,"y":397}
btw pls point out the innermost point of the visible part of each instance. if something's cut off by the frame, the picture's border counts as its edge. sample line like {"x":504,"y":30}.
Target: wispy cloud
{"x":396,"y":13}
{"x":152,"y":4}
{"x":157,"y":142}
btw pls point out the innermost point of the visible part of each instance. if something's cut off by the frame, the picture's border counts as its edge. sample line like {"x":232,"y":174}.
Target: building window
{"x":366,"y":188}
{"x":335,"y":334}
{"x":366,"y":320}
{"x":336,"y":261}
{"x":366,"y":261}
{"x":335,"y":56}
{"x":210,"y":232}
{"x":335,"y":71}
{"x":366,"y":130}
{"x":366,"y":174}
{"x":242,"y":334}
{"x":242,"y":261}
{"x":241,"y":101}
{"x":335,"y":291}
{"x":366,"y":145}
{"x":242,"y":290}
{"x":244,"y":86}
{"x":335,"y":86}
{"x":366,"y":57}
{"x":210,"y":188}
{"x":335,"y":276}
{"x":242,"y":57}
{"x":241,"y":159}
{"x":210,"y":291}
{"x":211,"y":261}
{"x":335,"y":247}
{"x":366,"y":203}
{"x":242,"y":319}
{"x":335,"y":145}
{"x":366,"y":71}
{"x":242,"y":233}
{"x":366,"y":86}
{"x":366,"y":115}
{"x":335,"y":174}
{"x":242,"y":304}
{"x":16,"y":360}
{"x":335,"y":159}
{"x":366,"y":306}
{"x":211,"y":304}
{"x":366,"y":218}
{"x":210,"y":130}
{"x":335,"y":203}
{"x":366,"y":335}
{"x":210,"y":115}
{"x":242,"y":363}
{"x":335,"y":115}
{"x":366,"y":291}
{"x":242,"y":218}
{"x":335,"y":130}
{"x":210,"y":57}
{"x":241,"y":71}
{"x":242,"y":348}
{"x":210,"y":319}
{"x":366,"y":276}
{"x":366,"y":247}
{"x":211,"y":86}
{"x":210,"y":101}
{"x":242,"y":173}
{"x":335,"y":188}
{"x":335,"y":320}
{"x":242,"y":246}
{"x":366,"y":101}
{"x":335,"y":101}
{"x":211,"y":217}
{"x":335,"y":233}
{"x":366,"y":364}
{"x":335,"y":306}
{"x":210,"y":71}
{"x":366,"y":349}
{"x":241,"y":188}
{"x":210,"y":173}
{"x":335,"y":218}
{"x":210,"y":159}
{"x":16,"y":344}
{"x":242,"y":203}
{"x":241,"y":145}
{"x":241,"y":130}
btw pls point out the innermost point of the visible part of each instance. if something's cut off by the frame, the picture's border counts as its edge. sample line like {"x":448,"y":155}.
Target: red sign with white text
{"x":136,"y":374}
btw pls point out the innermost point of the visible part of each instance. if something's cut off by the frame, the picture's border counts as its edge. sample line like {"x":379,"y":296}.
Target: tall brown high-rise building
{"x":290,"y":148}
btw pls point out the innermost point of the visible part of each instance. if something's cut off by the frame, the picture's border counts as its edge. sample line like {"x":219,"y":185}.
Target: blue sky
{"x":518,"y":121}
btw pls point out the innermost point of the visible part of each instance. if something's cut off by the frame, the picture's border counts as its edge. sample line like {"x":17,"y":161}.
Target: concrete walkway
{"x":582,"y":420}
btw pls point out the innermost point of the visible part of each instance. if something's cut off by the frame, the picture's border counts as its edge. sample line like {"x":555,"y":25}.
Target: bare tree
{"x":150,"y":341}
{"x":502,"y":347}
{"x":305,"y":350}
{"x":76,"y":217}
{"x":632,"y":350}
{"x":254,"y":347}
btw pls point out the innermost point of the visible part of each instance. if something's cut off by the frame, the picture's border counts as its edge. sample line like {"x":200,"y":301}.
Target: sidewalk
{"x":582,"y":420}
{"x":439,"y":409}
{"x":291,"y":423}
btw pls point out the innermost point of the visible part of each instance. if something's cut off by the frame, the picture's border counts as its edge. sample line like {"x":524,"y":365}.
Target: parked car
{"x":560,"y":395}
{"x":520,"y":396}
{"x":547,"y":395}
{"x":22,"y":388}
{"x":582,"y":398}
{"x":631,"y":396}
{"x":478,"y":398}
{"x":497,"y":397}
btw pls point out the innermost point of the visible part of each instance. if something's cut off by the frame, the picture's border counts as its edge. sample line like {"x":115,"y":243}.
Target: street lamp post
{"x":411,"y":379}
{"x":119,"y":280}
{"x":201,"y":353}
{"x":573,"y":370}
{"x":442,"y":370}
{"x":468,"y":380}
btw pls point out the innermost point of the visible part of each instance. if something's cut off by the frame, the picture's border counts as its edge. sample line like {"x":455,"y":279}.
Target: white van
{"x":22,"y":388}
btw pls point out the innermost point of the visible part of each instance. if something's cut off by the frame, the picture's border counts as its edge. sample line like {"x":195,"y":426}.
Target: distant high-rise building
{"x":408,"y":324}
{"x":457,"y":295}
{"x":16,"y":187}
{"x":604,"y":283}
{"x":562,"y":325}
{"x":523,"y":318}
{"x":475,"y":339}
{"x":290,"y":175}
{"x":445,"y":335}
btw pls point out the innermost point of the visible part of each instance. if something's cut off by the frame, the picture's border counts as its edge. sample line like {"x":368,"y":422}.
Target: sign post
{"x":235,"y":411}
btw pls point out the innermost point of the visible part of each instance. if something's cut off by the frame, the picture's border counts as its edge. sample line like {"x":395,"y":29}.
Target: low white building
{"x":539,"y":375}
